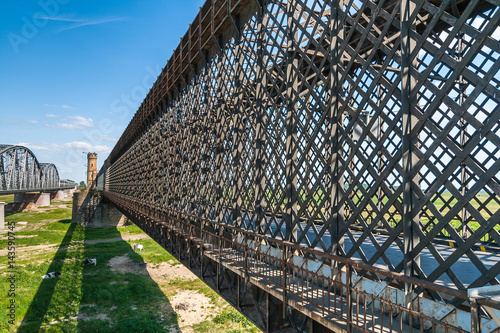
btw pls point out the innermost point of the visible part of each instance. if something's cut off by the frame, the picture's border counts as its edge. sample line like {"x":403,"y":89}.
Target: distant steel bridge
{"x":21,"y":172}
{"x":328,"y":165}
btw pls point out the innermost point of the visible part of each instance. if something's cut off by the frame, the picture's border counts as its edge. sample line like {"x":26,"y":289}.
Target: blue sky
{"x":72,"y":73}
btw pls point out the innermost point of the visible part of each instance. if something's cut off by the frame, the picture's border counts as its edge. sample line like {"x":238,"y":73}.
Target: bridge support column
{"x":2,"y":215}
{"x":90,"y":210}
{"x":39,"y":199}
{"x":68,"y":194}
{"x":57,"y":195}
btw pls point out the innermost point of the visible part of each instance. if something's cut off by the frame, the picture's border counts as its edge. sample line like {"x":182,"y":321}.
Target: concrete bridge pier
{"x":39,"y":199}
{"x":57,"y":195}
{"x":68,"y":194}
{"x":2,"y":215}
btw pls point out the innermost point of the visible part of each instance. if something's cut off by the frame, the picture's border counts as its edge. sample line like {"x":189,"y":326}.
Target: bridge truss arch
{"x":20,"y":171}
{"x":50,"y":176}
{"x":19,"y":168}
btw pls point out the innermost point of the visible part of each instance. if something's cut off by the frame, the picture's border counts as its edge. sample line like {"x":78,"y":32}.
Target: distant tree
{"x":82,"y":184}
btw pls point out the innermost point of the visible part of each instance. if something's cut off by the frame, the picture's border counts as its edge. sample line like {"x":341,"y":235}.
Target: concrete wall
{"x":91,"y":211}
{"x":2,"y":215}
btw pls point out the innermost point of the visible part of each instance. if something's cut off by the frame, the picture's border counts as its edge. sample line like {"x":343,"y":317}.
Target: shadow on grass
{"x":118,"y":295}
{"x":102,"y":298}
{"x":43,"y":299}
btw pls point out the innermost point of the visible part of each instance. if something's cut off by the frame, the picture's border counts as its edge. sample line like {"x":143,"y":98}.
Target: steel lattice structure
{"x":20,"y":171}
{"x":336,"y":125}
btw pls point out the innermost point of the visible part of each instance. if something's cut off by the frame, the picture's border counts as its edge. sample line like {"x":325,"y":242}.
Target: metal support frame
{"x":20,"y":171}
{"x":408,"y":83}
{"x":363,"y":129}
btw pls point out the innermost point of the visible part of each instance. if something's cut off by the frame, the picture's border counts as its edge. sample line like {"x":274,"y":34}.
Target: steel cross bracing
{"x":20,"y":171}
{"x":363,"y":129}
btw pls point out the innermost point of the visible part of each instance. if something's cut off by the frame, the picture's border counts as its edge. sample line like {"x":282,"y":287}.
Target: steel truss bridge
{"x":327,"y":165}
{"x":21,"y":172}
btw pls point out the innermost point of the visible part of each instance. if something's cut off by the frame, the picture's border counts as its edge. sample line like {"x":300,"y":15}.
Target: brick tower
{"x":91,"y":169}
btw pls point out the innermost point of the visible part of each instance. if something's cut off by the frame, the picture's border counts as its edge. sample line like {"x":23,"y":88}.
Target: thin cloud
{"x":78,"y":23}
{"x":74,"y":145}
{"x":43,"y":146}
{"x":104,"y":137}
{"x":76,"y":122}
{"x":82,"y":145}
{"x":64,"y":106}
{"x":50,"y":115}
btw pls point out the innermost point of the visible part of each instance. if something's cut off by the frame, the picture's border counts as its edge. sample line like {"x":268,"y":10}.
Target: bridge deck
{"x":15,"y":191}
{"x":325,"y":298}
{"x":464,"y":269}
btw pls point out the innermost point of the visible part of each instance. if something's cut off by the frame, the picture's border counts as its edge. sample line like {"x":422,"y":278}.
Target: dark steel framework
{"x":322,"y":123}
{"x":20,"y":171}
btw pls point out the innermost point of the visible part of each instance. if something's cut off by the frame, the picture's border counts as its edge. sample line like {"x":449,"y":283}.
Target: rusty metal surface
{"x":327,"y":123}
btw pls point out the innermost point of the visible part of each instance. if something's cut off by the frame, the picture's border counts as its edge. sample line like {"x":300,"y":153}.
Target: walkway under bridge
{"x":328,"y":165}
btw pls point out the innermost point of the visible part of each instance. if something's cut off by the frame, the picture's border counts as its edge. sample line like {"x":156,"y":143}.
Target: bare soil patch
{"x":100,"y":316}
{"x":165,"y":270}
{"x":125,"y":237}
{"x":192,"y":307}
{"x":123,"y":264}
{"x":31,"y":248}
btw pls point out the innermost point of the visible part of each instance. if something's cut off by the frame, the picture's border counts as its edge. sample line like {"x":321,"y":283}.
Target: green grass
{"x":229,"y":320}
{"x":95,"y":234}
{"x":130,"y":301}
{"x":37,"y":216}
{"x":77,"y":300}
{"x":7,"y":198}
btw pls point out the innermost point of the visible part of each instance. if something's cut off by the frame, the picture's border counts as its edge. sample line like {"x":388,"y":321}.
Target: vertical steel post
{"x":462,"y":86}
{"x":238,"y":286}
{"x":475,"y":317}
{"x":291,"y":218}
{"x":238,"y":126}
{"x":245,"y":248}
{"x":268,"y":304}
{"x":219,"y":261}
{"x":410,"y":177}
{"x":202,"y":232}
{"x":284,"y":249}
{"x":348,"y":300}
{"x":260,"y":127}
{"x":220,"y":139}
{"x":334,"y":117}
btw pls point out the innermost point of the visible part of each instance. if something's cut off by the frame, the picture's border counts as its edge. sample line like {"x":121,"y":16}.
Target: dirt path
{"x":125,"y":237}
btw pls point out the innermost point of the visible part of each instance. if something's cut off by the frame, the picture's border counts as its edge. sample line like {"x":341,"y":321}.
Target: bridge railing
{"x":330,"y":286}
